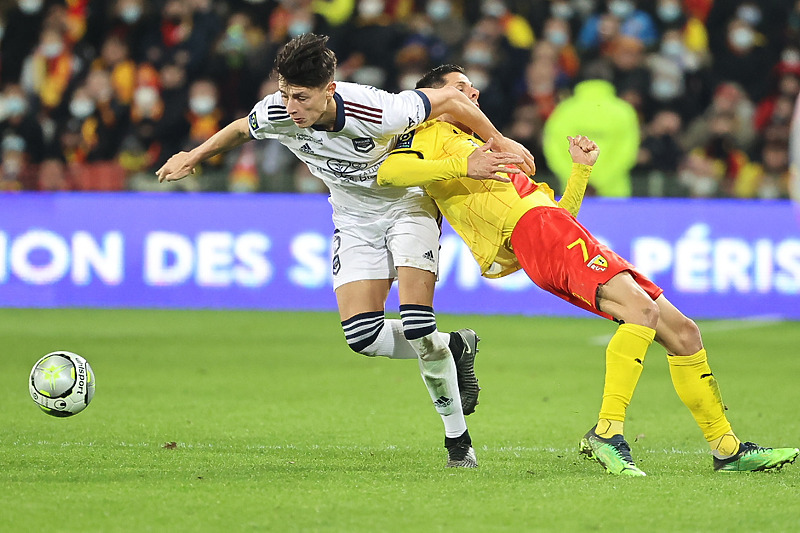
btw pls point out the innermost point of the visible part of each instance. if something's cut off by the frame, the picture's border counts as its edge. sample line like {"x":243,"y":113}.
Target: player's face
{"x":461,"y":82}
{"x":308,"y":106}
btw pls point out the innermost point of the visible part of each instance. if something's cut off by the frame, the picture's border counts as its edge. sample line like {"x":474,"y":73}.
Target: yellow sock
{"x":699,"y":391}
{"x":608,"y":428}
{"x":725,"y":446}
{"x":624,"y":357}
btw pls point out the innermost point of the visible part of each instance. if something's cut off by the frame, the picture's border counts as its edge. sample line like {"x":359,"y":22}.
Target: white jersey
{"x":368,"y":121}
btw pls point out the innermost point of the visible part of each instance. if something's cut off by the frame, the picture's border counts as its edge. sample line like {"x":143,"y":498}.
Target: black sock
{"x":464,"y":438}
{"x":456,"y":345}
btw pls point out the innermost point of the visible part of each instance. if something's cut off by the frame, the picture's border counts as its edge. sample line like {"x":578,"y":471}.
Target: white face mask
{"x":493,"y":8}
{"x":370,"y":8}
{"x":478,"y":56}
{"x":202,"y":105}
{"x":81,"y":107}
{"x":749,"y":13}
{"x":620,"y":8}
{"x":557,"y":37}
{"x":672,"y":48}
{"x":669,"y":11}
{"x":130,"y":13}
{"x":479,"y":79}
{"x":299,"y":27}
{"x":742,"y":38}
{"x":562,"y":10}
{"x":15,"y":106}
{"x":439,"y":9}
{"x":145,"y":98}
{"x":30,"y":7}
{"x":52,"y":49}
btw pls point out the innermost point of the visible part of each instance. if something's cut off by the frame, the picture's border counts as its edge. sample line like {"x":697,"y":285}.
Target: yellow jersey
{"x":482,"y":212}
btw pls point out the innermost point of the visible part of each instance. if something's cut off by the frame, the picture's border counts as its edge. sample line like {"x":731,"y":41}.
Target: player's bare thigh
{"x":623,"y":298}
{"x":362,"y":296}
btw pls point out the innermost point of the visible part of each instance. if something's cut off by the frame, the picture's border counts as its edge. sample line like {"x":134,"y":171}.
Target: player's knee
{"x":361,"y":332}
{"x":689,"y":336}
{"x":642,"y":311}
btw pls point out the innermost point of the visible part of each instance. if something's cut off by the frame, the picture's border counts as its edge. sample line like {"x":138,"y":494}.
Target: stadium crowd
{"x":97,"y":95}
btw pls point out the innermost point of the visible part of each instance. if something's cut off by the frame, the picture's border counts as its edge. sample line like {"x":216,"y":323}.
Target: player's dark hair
{"x":434,"y":78}
{"x":306,"y":61}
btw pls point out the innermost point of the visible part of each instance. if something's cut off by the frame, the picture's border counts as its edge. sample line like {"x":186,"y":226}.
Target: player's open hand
{"x":504,"y":144}
{"x":176,"y":167}
{"x":583,"y":150}
{"x":483,"y":164}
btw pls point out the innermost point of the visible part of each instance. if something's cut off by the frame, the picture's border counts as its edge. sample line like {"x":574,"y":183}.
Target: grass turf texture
{"x":279,"y":427}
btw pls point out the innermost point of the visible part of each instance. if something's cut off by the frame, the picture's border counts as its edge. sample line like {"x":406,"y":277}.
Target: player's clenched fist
{"x":176,"y":167}
{"x":583,"y":150}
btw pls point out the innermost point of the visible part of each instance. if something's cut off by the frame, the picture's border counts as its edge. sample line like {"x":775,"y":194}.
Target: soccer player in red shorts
{"x":510,"y":221}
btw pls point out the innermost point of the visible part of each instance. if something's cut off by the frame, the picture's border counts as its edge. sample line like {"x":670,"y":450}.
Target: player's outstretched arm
{"x":451,"y":101}
{"x":584,"y":153}
{"x":182,"y":164}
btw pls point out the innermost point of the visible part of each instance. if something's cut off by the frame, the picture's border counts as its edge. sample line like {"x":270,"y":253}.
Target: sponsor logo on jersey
{"x":363,"y":144}
{"x":253,"y":120}
{"x":598,"y":263}
{"x":428,"y":255}
{"x":308,"y":138}
{"x":405,"y":140}
{"x":411,"y":123}
{"x":306,"y":149}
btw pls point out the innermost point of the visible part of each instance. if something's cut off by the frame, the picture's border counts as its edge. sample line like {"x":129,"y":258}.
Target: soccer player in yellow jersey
{"x":510,"y":222}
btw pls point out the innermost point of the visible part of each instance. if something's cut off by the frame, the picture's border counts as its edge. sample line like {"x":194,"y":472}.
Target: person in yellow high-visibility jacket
{"x":510,"y":221}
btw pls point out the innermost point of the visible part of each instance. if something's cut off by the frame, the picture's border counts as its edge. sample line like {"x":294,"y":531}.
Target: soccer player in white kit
{"x":343,"y":132}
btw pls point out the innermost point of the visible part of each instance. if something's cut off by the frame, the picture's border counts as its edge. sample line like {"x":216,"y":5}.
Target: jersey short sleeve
{"x":268,"y":117}
{"x":404,"y":111}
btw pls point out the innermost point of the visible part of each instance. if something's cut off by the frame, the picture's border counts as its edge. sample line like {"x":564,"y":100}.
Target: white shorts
{"x":373,"y":247}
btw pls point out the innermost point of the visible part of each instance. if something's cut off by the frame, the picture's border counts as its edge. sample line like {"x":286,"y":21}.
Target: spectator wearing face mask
{"x":626,"y":16}
{"x":48,"y":70}
{"x":22,"y":25}
{"x":20,"y":121}
{"x":744,"y":60}
{"x":558,"y":33}
{"x":115,"y":58}
{"x":14,"y":167}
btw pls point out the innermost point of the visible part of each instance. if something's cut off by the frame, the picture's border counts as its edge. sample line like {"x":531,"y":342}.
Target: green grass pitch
{"x":278,"y":426}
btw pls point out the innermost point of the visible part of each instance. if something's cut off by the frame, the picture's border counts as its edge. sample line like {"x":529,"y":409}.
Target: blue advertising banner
{"x":714,"y":258}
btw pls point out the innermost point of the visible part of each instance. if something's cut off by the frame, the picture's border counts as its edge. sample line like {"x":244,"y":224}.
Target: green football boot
{"x":614,"y":453}
{"x":753,"y":458}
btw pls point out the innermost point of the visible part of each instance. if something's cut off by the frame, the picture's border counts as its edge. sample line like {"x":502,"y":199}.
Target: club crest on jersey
{"x":599,"y":263}
{"x":405,"y":140}
{"x":253,"y":120}
{"x":363,"y":144}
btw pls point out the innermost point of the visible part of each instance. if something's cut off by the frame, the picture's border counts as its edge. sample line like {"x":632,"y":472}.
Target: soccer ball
{"x":62,"y":383}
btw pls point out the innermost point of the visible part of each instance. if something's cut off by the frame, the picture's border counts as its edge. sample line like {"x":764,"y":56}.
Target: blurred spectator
{"x":20,"y":121}
{"x":768,"y":179}
{"x":115,"y":59}
{"x":712,"y":169}
{"x":22,"y":27}
{"x":660,"y":156}
{"x":731,"y":100}
{"x":541,"y":81}
{"x":53,"y":176}
{"x":370,"y":39}
{"x":622,"y":18}
{"x":133,"y":23}
{"x":595,"y":110}
{"x":14,"y":165}
{"x":241,"y":58}
{"x":102,"y":117}
{"x":49,"y":69}
{"x":448,"y":22}
{"x":557,"y":32}
{"x":743,"y":54}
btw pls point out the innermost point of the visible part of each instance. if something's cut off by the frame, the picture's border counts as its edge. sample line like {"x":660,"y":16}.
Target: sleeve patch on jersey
{"x":363,"y":144}
{"x":405,"y":140}
{"x":253,"y":120}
